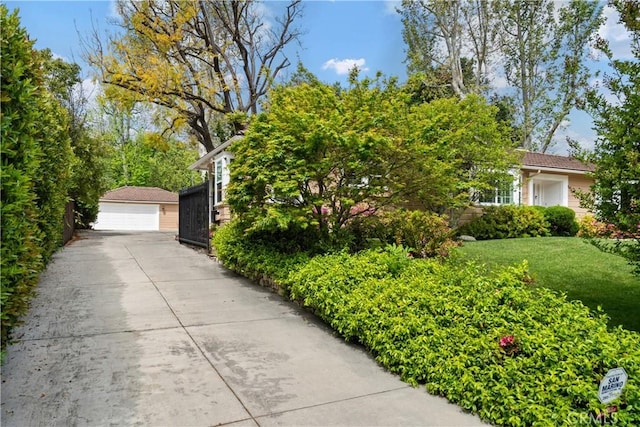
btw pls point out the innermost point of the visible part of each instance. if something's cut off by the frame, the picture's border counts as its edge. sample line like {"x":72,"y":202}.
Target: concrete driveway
{"x":135,"y":329}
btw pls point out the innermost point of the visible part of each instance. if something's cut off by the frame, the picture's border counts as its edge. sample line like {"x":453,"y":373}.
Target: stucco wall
{"x":579,"y":182}
{"x":168,"y":217}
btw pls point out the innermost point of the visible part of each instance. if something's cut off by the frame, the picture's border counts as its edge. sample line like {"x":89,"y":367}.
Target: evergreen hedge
{"x":36,"y":158}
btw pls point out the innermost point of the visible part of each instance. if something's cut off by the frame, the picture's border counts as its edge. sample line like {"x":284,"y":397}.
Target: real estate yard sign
{"x":612,"y":384}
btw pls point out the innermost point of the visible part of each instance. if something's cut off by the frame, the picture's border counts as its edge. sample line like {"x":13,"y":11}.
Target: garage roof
{"x":140,"y":194}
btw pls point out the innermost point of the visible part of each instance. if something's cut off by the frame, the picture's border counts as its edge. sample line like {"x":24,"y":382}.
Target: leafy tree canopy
{"x":615,"y":195}
{"x":202,"y":62}
{"x":320,"y":156}
{"x":151,"y":160}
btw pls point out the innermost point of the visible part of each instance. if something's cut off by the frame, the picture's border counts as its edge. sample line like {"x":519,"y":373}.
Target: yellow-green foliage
{"x":514,"y":354}
{"x":442,"y":325}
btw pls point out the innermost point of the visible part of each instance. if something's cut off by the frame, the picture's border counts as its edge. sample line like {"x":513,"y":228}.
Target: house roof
{"x":203,"y":162}
{"x":550,"y":161}
{"x":140,"y":194}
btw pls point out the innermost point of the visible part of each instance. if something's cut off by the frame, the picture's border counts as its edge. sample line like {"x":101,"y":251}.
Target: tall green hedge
{"x":36,"y":157}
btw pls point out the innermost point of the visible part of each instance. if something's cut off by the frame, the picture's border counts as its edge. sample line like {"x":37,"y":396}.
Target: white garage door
{"x":127,"y":216}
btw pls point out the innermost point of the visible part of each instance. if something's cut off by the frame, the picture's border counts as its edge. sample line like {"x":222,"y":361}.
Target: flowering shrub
{"x":592,"y":228}
{"x":626,"y":244}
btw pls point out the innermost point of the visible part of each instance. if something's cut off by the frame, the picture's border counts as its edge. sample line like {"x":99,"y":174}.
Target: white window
{"x":218,"y":181}
{"x":505,"y":193}
{"x":221,"y":176}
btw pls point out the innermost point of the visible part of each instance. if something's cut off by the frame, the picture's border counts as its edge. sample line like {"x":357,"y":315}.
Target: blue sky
{"x":336,"y":35}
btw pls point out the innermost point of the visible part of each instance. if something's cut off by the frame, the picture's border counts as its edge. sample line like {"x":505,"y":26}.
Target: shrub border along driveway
{"x":443,"y":325}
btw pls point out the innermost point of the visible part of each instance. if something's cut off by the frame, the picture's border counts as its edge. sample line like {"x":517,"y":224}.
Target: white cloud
{"x":113,"y":9}
{"x":55,"y":56}
{"x":343,"y":66}
{"x":390,"y":7}
{"x":617,"y":35}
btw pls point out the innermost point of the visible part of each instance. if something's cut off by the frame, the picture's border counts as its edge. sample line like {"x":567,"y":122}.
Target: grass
{"x":572,"y":266}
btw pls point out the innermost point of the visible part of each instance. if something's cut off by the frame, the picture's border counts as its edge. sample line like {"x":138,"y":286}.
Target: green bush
{"x":251,"y":256}
{"x":561,"y":220}
{"x":426,"y":234}
{"x":514,"y":354}
{"x":507,"y":221}
{"x":21,"y":253}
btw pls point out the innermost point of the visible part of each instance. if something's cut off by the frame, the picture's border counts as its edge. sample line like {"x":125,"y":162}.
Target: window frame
{"x":515,"y":196}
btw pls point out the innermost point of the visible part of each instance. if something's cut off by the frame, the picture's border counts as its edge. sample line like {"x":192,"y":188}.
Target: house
{"x":549,"y":180}
{"x":138,"y":208}
{"x":542,"y":180}
{"x":216,"y":163}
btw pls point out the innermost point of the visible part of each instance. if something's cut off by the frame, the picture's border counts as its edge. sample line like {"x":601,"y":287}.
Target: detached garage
{"x":138,"y":208}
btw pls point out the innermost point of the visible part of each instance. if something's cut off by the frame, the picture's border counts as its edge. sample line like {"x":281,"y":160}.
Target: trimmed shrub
{"x":426,"y":234}
{"x":251,"y":256}
{"x":516,"y":355}
{"x":507,"y":221}
{"x":21,"y":253}
{"x":561,"y":220}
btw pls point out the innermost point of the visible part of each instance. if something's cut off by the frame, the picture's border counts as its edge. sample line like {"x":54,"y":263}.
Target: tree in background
{"x":540,"y":50}
{"x":320,"y":157}
{"x":442,"y":34}
{"x":150,"y":160}
{"x":87,"y":169}
{"x":615,"y":196}
{"x":202,"y":62}
{"x":136,"y":154}
{"x":36,"y":158}
{"x":544,"y":51}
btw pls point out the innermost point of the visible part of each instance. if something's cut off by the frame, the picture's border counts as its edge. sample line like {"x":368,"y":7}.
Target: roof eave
{"x":556,"y":170}
{"x":150,"y":202}
{"x":203,"y":162}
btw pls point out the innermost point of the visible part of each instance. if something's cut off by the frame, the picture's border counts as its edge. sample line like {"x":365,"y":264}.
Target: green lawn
{"x":572,"y":266}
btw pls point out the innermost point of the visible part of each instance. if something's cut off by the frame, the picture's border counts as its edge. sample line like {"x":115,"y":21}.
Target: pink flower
{"x":507,"y":341}
{"x":508,"y":345}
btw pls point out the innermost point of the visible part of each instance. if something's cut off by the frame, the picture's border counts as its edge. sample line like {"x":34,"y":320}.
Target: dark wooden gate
{"x":193,"y":222}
